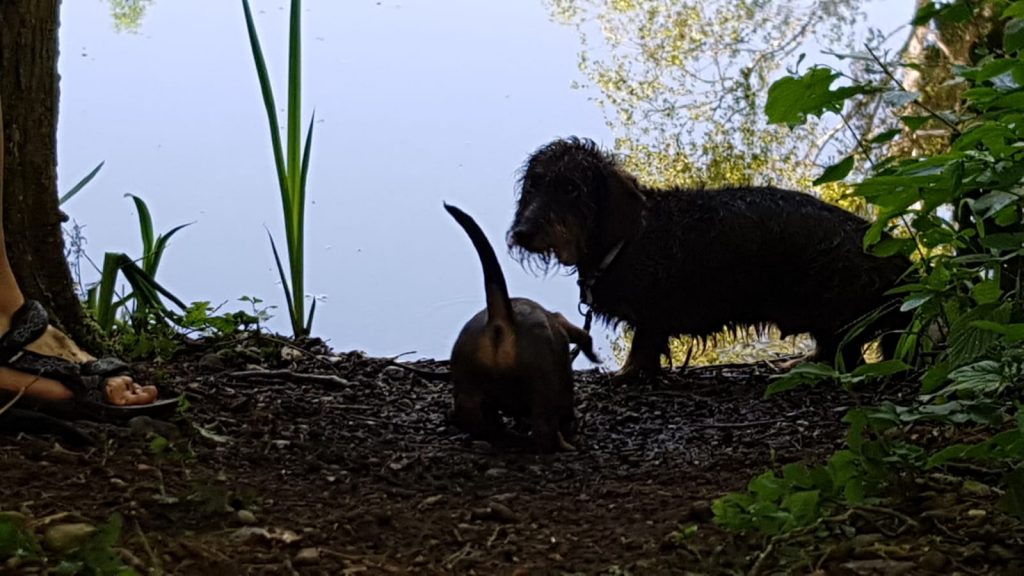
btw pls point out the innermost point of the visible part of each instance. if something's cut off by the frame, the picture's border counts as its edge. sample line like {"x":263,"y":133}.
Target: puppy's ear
{"x":623,"y":206}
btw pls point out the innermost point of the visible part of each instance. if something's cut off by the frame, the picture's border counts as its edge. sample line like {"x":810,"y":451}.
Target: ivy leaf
{"x":835,"y":172}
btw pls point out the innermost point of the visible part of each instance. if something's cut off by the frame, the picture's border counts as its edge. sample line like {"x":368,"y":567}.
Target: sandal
{"x":86,"y":381}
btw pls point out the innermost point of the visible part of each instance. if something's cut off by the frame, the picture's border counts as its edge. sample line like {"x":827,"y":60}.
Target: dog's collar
{"x":587,"y":284}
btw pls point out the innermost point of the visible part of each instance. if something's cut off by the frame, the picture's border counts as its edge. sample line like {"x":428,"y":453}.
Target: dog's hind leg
{"x":471,"y":414}
{"x":577,"y":336}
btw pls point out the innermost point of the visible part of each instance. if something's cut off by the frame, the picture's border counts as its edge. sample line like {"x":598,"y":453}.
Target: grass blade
{"x":161,"y":246}
{"x":81,"y":184}
{"x":305,"y":161}
{"x":105,"y":309}
{"x":295,"y":215}
{"x":309,"y":321}
{"x":284,"y":283}
{"x":146,"y":228}
{"x":144,"y":284}
{"x":294,"y":100}
{"x":268,"y":102}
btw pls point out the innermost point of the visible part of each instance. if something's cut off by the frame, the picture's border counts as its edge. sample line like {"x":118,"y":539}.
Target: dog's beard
{"x":547,"y":254}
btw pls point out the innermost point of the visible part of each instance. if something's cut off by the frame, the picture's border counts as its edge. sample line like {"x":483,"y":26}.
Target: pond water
{"x":416,"y":103}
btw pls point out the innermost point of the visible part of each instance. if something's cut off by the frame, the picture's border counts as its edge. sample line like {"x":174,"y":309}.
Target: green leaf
{"x":885,"y":136}
{"x":1004,"y":241}
{"x":1014,"y":10}
{"x":891,"y":246}
{"x":986,"y":292}
{"x":81,"y":184}
{"x":807,"y":374}
{"x":915,"y":302}
{"x":803,"y":506}
{"x":1013,"y":35}
{"x":792,"y":98}
{"x":925,"y":13}
{"x":145,"y":228}
{"x":835,"y":172}
{"x":915,"y":122}
{"x":993,"y":202}
{"x":879,"y":369}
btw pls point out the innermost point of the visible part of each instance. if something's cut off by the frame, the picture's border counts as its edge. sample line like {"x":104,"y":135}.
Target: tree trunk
{"x":32,"y":219}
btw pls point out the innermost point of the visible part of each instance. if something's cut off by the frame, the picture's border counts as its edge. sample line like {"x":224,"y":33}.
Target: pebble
{"x":932,"y":560}
{"x":212,"y":362}
{"x":65,"y":537}
{"x":307,"y":557}
{"x":246,"y":517}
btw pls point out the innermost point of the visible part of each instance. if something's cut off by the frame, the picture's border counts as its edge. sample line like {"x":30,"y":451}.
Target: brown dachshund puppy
{"x":513,"y":358}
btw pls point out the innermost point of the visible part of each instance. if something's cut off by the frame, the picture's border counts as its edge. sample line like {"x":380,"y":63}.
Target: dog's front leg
{"x":644,"y":358}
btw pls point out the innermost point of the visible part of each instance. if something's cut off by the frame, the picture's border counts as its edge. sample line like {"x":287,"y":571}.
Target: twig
{"x":156,"y":567}
{"x":922,"y":105}
{"x":20,"y":393}
{"x":288,"y":375}
{"x":753,"y":424}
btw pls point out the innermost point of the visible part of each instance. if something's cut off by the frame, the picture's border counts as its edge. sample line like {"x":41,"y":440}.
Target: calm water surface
{"x":417,"y":102}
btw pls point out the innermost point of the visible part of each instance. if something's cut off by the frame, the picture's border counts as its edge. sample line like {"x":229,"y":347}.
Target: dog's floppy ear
{"x":623,"y":206}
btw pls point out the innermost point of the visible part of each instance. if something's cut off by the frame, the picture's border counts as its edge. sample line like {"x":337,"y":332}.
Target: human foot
{"x":44,"y":364}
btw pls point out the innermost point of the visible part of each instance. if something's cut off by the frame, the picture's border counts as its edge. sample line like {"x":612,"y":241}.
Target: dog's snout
{"x":522,"y":234}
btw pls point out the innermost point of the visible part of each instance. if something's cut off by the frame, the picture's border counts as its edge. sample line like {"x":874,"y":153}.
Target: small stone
{"x":977,"y":514}
{"x":307,"y":557}
{"x":118,"y":483}
{"x":66,"y":537}
{"x":393,"y":373}
{"x":212,"y":363}
{"x":975,"y":488}
{"x":866,"y":540}
{"x":430,"y":501}
{"x":932,"y":560}
{"x":246,"y":517}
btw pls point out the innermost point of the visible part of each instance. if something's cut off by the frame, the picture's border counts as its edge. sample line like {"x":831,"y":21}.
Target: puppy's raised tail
{"x":499,"y":307}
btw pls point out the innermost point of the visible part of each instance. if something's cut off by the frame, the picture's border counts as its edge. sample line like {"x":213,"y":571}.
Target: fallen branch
{"x":290,"y":376}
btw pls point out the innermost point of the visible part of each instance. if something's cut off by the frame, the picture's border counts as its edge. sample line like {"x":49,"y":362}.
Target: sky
{"x":416,"y":103}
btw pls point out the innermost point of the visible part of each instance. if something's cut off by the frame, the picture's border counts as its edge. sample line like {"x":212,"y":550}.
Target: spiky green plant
{"x":292,"y":164}
{"x":102,"y":298}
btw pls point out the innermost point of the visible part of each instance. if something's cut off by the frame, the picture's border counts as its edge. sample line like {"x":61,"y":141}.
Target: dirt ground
{"x":342,"y":464}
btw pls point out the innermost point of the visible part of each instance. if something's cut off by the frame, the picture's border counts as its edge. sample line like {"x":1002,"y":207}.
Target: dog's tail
{"x":499,"y":307}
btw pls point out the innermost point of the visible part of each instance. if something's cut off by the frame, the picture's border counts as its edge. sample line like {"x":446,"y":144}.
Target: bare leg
{"x":121,"y":390}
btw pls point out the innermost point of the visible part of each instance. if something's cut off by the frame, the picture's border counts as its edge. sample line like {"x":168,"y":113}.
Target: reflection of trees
{"x":128,"y":14}
{"x":683,"y":83}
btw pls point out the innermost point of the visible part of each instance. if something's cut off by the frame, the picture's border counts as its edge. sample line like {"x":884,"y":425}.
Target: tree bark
{"x":32,"y":218}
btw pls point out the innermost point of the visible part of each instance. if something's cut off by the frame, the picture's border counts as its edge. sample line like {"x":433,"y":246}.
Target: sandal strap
{"x":28,"y":323}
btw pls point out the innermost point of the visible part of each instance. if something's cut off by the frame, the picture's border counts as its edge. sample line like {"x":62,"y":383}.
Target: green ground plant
{"x":958,"y":212}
